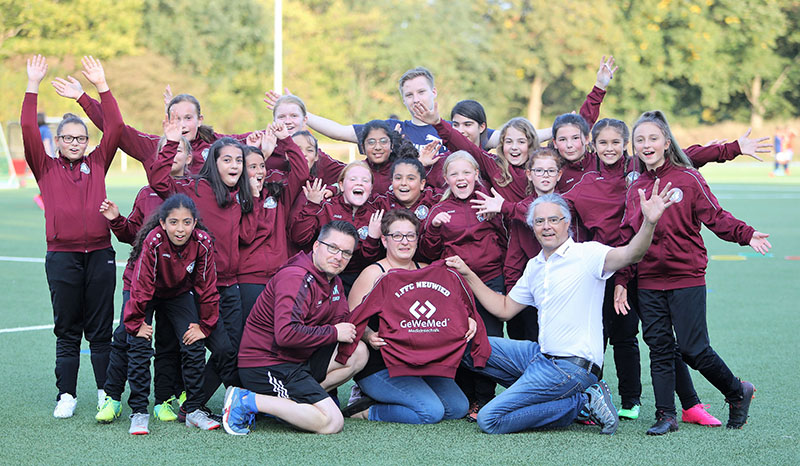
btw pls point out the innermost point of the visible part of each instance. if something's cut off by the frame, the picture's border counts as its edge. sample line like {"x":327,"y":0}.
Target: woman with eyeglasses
{"x":79,"y":263}
{"x":403,"y":399}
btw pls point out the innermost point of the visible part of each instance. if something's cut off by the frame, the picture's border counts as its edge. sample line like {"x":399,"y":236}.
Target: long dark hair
{"x":210,"y":173}
{"x":393,"y":136}
{"x":176,"y":201}
{"x":204,"y":132}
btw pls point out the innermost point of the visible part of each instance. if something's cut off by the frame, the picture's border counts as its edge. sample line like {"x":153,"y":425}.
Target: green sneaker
{"x":164,"y":411}
{"x":182,"y":399}
{"x":632,"y":413}
{"x":110,"y":410}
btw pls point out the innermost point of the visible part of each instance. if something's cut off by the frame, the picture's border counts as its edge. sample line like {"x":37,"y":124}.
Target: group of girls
{"x":264,"y":195}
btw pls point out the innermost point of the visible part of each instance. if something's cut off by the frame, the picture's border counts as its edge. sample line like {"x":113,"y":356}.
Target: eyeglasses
{"x":539,"y":221}
{"x":336,"y":250}
{"x":68,"y":139}
{"x":541,"y":171}
{"x":400,"y":236}
{"x":374,"y":142}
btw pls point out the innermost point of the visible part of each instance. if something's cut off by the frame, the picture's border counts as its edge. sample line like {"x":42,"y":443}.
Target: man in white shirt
{"x":550,"y":382}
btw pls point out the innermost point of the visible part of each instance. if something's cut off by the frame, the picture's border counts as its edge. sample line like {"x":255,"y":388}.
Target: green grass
{"x":753,"y":323}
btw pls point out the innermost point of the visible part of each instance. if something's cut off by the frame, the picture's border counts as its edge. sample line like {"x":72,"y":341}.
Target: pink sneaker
{"x":697,"y":414}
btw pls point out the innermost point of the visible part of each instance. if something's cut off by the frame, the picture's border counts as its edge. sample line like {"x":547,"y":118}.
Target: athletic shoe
{"x":601,"y":408}
{"x":216,"y":417}
{"x":739,"y":409}
{"x":583,"y":417}
{"x":664,"y":424}
{"x":65,"y":407}
{"x":631,"y":413}
{"x":164,"y":412}
{"x":697,"y":414}
{"x":355,"y":394}
{"x":236,"y":417}
{"x":199,"y":418}
{"x":182,"y":398}
{"x":472,"y":413}
{"x":101,"y":398}
{"x":139,"y":423}
{"x":110,"y":410}
{"x":363,"y":402}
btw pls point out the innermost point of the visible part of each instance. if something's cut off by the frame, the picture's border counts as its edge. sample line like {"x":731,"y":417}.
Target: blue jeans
{"x":413,"y":400}
{"x":540,"y":393}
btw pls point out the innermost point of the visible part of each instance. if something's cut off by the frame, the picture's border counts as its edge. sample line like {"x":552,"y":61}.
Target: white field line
{"x":33,"y":327}
{"x":37,"y":260}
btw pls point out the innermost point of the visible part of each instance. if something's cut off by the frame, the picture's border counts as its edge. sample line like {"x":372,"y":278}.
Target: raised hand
{"x":268,"y":142}
{"x":752,"y":146}
{"x":167,"y":96}
{"x":488,"y":204}
{"x":606,"y":72}
{"x":279,"y":129}
{"x":759,"y":242}
{"x":172,"y":127}
{"x":37,"y":70}
{"x":440,"y":219}
{"x":375,"y":224}
{"x":653,"y":208}
{"x":109,"y":209}
{"x":254,"y":139}
{"x":94,"y":73}
{"x":314,"y":191}
{"x":428,"y":153}
{"x":425,"y":114}
{"x":271,"y":97}
{"x":70,"y":88}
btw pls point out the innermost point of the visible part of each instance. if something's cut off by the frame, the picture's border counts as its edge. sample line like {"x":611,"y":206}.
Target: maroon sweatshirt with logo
{"x":262,"y":257}
{"x":227,"y":225}
{"x":423,"y":319}
{"x":480,"y":242}
{"x":72,"y":191}
{"x":294,"y":316}
{"x":677,"y":257}
{"x":164,"y":270}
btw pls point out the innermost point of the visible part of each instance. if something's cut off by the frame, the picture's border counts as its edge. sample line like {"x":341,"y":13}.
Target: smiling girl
{"x":80,"y":261}
{"x":672,"y":291}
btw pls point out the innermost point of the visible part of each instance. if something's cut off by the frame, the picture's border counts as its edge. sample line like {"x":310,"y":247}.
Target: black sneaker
{"x":358,"y":405}
{"x":601,"y":408}
{"x":664,"y":424}
{"x":739,"y":409}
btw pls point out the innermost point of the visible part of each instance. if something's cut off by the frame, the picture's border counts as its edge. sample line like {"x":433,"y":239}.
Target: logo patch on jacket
{"x":630,"y":178}
{"x":363,"y":232}
{"x":190,"y":267}
{"x":270,"y":203}
{"x":85,"y":168}
{"x":204,"y":153}
{"x":676,"y":195}
{"x":422,"y":212}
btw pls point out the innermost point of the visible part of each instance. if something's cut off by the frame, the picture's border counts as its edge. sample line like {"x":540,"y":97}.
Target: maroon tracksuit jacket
{"x":227,"y":225}
{"x":677,"y":257}
{"x":294,"y":316}
{"x":164,"y":270}
{"x":480,"y":242}
{"x":423,"y":319}
{"x":72,"y":191}
{"x":125,"y":229}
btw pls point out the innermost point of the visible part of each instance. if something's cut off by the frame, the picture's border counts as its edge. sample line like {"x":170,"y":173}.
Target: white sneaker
{"x":139,"y":422}
{"x":101,"y":398}
{"x":65,"y":407}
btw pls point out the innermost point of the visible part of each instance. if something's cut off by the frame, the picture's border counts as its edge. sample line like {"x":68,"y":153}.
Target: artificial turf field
{"x":753,"y":320}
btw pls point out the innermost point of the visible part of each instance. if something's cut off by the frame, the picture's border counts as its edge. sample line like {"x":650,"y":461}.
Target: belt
{"x":580,"y":362}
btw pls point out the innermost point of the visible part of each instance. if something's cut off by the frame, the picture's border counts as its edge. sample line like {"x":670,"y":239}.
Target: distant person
{"x":784,"y":150}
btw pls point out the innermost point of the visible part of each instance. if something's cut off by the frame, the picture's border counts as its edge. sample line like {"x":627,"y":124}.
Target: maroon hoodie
{"x":227,"y":225}
{"x":423,"y":319}
{"x":125,"y":229}
{"x":164,"y":270}
{"x":269,"y":250}
{"x":294,"y":316}
{"x":72,"y":191}
{"x":480,"y":242}
{"x":142,"y":146}
{"x":307,"y":222}
{"x":677,"y":257}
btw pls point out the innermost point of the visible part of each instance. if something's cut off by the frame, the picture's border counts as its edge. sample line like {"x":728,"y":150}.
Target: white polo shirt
{"x":568,"y":290}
